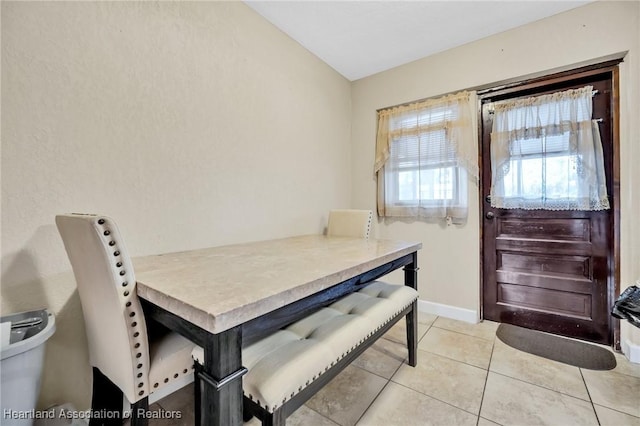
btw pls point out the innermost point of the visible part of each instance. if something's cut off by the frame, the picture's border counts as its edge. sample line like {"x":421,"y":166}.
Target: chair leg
{"x":138,"y":411}
{"x":106,"y":399}
{"x":412,"y":333}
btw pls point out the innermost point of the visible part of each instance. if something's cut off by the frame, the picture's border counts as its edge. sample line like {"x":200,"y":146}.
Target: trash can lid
{"x":25,"y":330}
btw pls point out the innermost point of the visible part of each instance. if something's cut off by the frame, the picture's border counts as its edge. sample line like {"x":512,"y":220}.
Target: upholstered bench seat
{"x":282,"y":364}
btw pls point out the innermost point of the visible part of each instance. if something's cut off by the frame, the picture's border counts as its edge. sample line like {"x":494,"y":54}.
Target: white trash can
{"x":22,"y":358}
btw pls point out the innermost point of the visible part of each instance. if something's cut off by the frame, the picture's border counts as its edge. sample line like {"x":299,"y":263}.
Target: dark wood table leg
{"x":221,"y":378}
{"x":411,"y":280}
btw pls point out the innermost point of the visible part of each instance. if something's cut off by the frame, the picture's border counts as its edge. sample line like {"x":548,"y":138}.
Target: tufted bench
{"x":289,"y":366}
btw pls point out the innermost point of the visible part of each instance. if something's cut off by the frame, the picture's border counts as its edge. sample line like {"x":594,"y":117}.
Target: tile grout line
{"x":434,"y":398}
{"x":320,"y":414}
{"x":387,"y":380}
{"x":432,"y":325}
{"x":464,"y":334}
{"x":589,"y":395}
{"x":372,"y":402}
{"x":486,"y":379}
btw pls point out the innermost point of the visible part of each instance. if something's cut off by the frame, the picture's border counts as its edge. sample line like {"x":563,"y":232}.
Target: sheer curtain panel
{"x":425,"y":153}
{"x":546,"y":154}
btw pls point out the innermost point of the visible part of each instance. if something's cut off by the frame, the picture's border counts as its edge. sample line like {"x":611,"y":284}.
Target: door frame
{"x":613,"y":280}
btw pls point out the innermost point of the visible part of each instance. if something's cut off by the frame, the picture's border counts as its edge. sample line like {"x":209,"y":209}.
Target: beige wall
{"x":199,"y":124}
{"x":192,"y":124}
{"x":449,"y":262}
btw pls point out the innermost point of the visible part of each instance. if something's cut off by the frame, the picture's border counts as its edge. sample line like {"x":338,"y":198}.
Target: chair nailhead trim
{"x":123,"y":272}
{"x":175,"y":376}
{"x":125,"y":283}
{"x":139,"y":366}
{"x":101,"y":221}
{"x":118,"y":264}
{"x":166,"y":380}
{"x":141,"y":393}
{"x":138,"y":355}
{"x":155,"y":385}
{"x":128,"y":303}
{"x":184,"y":371}
{"x":116,"y":253}
{"x":140,"y":385}
{"x":137,"y":345}
{"x":136,"y":334}
{"x":139,"y":375}
{"x":132,"y":314}
{"x":133,"y":324}
{"x":107,"y":232}
{"x":112,"y":243}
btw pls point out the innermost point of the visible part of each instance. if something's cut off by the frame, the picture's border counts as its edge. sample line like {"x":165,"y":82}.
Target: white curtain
{"x":546,"y":154}
{"x":423,"y":153}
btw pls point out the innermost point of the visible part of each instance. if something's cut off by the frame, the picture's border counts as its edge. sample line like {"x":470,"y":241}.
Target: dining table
{"x":224,"y":298}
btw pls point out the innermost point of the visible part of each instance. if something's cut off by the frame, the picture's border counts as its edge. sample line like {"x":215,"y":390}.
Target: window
{"x":546,"y":154}
{"x":424,"y":173}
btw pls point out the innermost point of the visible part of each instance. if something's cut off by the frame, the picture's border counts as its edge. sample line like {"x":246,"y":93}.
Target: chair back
{"x":114,"y":320}
{"x":350,"y":223}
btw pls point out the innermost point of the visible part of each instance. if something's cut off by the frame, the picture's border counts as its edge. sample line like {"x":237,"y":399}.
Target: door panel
{"x":550,"y":270}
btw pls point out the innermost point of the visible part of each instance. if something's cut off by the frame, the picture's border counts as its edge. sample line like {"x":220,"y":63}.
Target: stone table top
{"x":221,"y":287}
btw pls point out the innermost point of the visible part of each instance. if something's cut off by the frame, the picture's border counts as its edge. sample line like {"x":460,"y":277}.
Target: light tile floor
{"x":464,"y":376}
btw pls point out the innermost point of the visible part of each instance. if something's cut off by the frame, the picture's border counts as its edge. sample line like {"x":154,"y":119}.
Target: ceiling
{"x":361,"y":38}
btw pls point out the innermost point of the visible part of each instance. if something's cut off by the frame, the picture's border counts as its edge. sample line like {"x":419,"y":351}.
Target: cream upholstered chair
{"x":126,"y":359}
{"x":350,"y":223}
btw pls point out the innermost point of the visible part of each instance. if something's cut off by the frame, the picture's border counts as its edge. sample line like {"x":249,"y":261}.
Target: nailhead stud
{"x":123,"y":272}
{"x":139,"y":365}
{"x":166,"y":380}
{"x":107,"y":232}
{"x":136,"y":334}
{"x":116,"y":253}
{"x":101,"y":221}
{"x":118,"y":264}
{"x":112,"y":243}
{"x":126,"y":293}
{"x":125,"y":283}
{"x":133,"y":324}
{"x":132,"y":314}
{"x":138,"y":355}
{"x":141,"y":393}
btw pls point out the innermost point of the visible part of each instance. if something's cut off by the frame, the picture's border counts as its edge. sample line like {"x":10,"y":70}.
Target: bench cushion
{"x":283,"y":363}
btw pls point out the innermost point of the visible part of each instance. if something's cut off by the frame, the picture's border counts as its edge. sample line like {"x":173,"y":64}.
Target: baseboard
{"x":448,"y":311}
{"x":631,"y":351}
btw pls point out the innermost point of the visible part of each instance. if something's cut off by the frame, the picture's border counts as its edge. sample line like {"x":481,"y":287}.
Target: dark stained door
{"x":550,"y":270}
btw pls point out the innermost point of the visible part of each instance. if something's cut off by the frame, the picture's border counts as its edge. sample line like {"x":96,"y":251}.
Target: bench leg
{"x":276,"y":418}
{"x":412,"y":333}
{"x":197,"y":394}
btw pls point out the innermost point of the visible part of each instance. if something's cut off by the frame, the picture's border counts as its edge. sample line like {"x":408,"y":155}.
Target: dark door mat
{"x":572,"y":352}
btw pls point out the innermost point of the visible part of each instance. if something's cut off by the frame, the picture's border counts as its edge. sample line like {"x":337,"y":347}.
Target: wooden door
{"x":551,"y":270}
